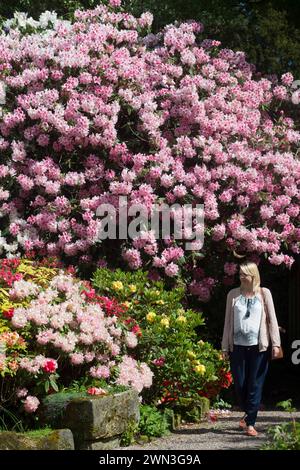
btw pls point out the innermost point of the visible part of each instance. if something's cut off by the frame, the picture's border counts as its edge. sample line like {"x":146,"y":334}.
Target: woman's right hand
{"x":225,"y":355}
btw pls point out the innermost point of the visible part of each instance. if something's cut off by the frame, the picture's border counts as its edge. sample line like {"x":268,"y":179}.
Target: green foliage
{"x":152,"y":422}
{"x":286,"y":406}
{"x":168,"y":334}
{"x":220,"y":404}
{"x":284,"y":436}
{"x":128,"y":437}
{"x":83,"y":384}
{"x":10,"y":421}
{"x":267,"y":31}
{"x":43,"y":432}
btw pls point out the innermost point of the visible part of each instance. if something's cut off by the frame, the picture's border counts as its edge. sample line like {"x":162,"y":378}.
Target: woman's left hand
{"x":275,"y":351}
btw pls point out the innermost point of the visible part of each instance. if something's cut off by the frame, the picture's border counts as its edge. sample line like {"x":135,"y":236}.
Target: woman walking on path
{"x":250,"y":336}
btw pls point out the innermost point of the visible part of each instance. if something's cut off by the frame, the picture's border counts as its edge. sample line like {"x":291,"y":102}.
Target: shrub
{"x":152,"y":422}
{"x":97,"y":108}
{"x":55,"y":334}
{"x":182,"y":364}
{"x":284,"y":436}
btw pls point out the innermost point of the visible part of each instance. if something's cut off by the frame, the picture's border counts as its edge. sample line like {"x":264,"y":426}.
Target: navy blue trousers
{"x":249,"y":368}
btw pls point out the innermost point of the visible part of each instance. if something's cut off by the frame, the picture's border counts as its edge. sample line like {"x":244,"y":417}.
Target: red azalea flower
{"x":96,"y":391}
{"x":137,"y":330}
{"x":159,"y":362}
{"x":227,"y":380}
{"x":71,"y":270}
{"x":111,"y":306}
{"x":30,"y":254}
{"x":8,"y":313}
{"x":212,"y":417}
{"x":90,"y":294}
{"x":50,"y":366}
{"x":166,"y":383}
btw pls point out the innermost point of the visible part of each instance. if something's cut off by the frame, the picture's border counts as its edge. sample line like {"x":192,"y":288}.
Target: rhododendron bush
{"x":98,"y":109}
{"x":55,"y":334}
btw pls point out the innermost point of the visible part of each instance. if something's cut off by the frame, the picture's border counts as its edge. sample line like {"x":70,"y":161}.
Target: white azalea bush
{"x":23,"y":23}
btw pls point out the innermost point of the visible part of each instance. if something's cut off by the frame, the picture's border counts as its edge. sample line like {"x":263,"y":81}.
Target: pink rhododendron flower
{"x":31,"y":404}
{"x":21,"y":392}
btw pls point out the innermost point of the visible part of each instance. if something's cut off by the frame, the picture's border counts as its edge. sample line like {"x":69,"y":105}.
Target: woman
{"x":250,"y":336}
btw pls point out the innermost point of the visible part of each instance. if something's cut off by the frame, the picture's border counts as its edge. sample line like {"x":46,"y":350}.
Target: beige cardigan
{"x":268,"y":329}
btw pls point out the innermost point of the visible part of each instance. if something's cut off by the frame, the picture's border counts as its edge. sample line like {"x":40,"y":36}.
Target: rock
{"x":52,"y":408}
{"x":191,"y":410}
{"x":59,"y":439}
{"x":103,"y":444}
{"x":172,"y":419}
{"x":100,"y":418}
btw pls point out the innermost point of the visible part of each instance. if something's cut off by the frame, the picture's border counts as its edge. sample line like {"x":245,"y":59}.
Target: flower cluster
{"x":133,"y":375}
{"x":12,"y":348}
{"x":95,"y":109}
{"x":213,"y":389}
{"x":66,"y":329}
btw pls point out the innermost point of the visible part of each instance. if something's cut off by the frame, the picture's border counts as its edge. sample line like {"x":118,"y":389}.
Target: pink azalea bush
{"x":62,"y":335}
{"x":98,"y":109}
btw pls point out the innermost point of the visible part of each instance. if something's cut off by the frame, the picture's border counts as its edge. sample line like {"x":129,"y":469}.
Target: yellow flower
{"x":165,"y":322}
{"x":191,"y":354}
{"x":132,"y":288}
{"x":181,"y":319}
{"x":180,"y":311}
{"x":200,"y":369}
{"x":151,"y":317}
{"x":117,"y":285}
{"x":201,"y":342}
{"x":160,"y":302}
{"x":127,"y":304}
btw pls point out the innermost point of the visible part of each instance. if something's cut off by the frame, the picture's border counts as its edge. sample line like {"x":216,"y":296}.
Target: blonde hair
{"x":250,"y":268}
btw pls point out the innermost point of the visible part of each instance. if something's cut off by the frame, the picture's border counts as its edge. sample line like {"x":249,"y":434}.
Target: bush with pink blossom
{"x":60,"y":335}
{"x":96,"y":109}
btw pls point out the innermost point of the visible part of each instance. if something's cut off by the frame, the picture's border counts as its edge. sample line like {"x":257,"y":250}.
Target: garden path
{"x":222,"y":434}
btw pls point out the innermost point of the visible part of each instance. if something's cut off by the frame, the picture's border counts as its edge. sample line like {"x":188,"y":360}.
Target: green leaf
{"x":53,"y":384}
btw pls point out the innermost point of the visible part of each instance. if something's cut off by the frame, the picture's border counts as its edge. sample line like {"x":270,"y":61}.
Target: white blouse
{"x":246,"y":326}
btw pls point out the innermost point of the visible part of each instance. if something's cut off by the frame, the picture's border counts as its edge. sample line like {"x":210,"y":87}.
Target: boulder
{"x":101,"y":419}
{"x":58,"y":439}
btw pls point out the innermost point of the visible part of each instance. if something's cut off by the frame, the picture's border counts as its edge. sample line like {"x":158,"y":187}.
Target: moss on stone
{"x":36,"y":433}
{"x":40,"y":439}
{"x":191,"y":410}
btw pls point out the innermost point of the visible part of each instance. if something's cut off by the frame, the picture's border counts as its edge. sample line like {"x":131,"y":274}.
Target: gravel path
{"x":223,"y":434}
